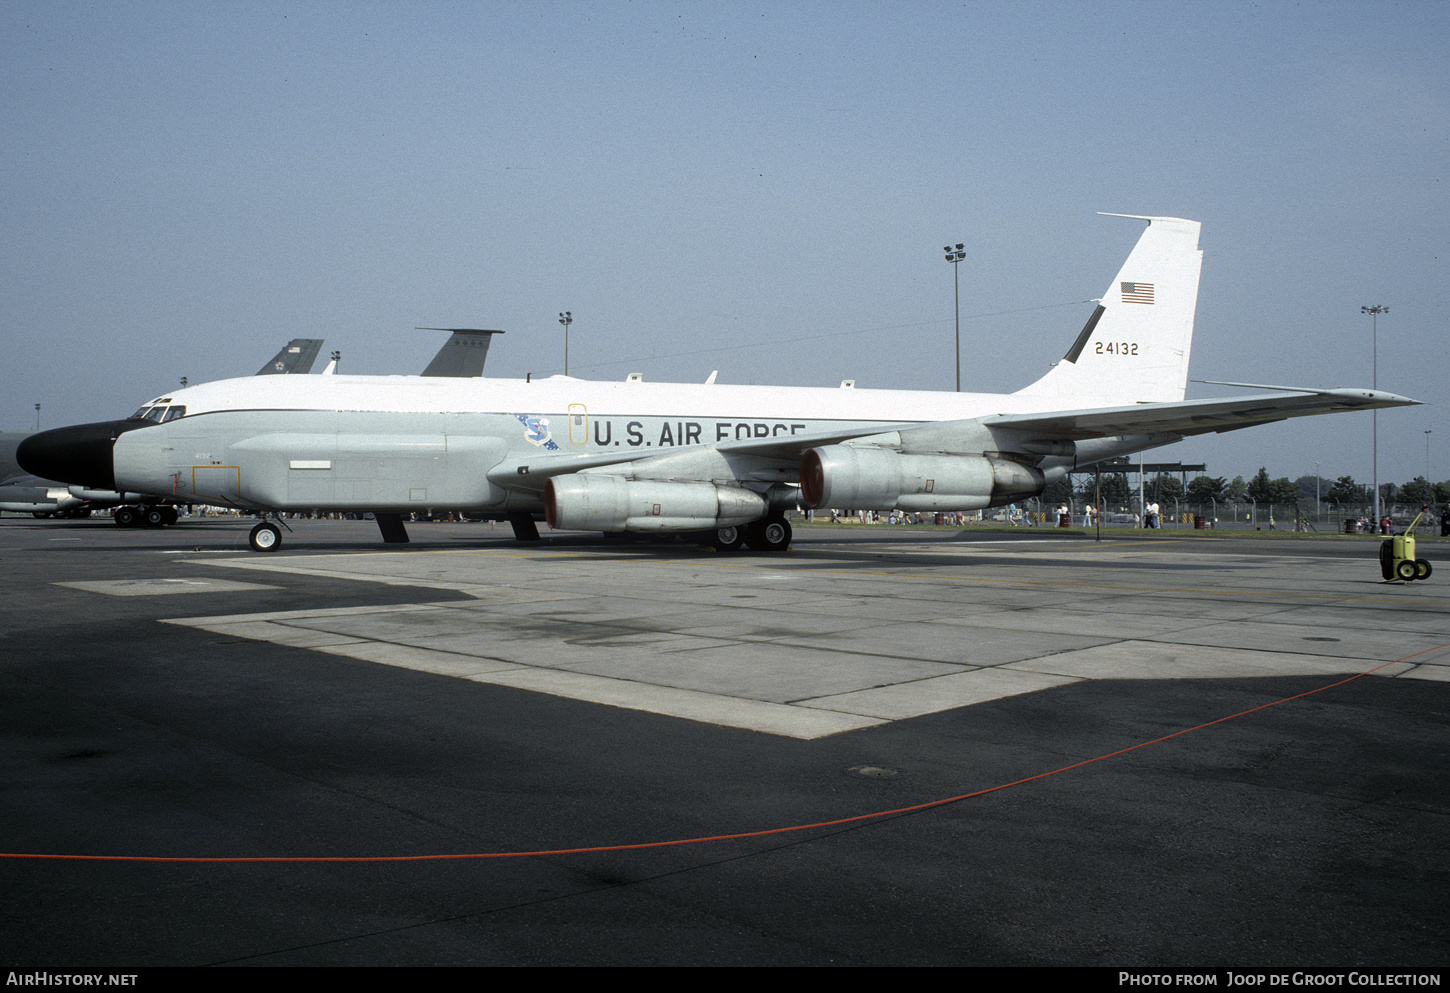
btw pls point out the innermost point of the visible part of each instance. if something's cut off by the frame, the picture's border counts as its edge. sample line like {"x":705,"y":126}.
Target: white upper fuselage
{"x":555,"y":395}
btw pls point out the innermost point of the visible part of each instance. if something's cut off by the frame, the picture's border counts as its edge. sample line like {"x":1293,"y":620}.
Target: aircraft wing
{"x":532,"y":473}
{"x":1185,"y":417}
{"x":1190,"y":417}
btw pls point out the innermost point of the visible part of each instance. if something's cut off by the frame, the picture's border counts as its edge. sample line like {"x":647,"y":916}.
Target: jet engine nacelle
{"x":863,"y":478}
{"x":611,"y":503}
{"x":105,"y":496}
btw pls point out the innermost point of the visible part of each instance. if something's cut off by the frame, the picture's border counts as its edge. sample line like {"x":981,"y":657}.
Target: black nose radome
{"x":79,"y":454}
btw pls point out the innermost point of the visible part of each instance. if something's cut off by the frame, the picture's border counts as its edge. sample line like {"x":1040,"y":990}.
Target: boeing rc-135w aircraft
{"x":662,"y":457}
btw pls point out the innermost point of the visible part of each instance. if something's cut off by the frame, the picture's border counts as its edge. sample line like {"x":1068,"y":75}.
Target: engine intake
{"x":863,"y":478}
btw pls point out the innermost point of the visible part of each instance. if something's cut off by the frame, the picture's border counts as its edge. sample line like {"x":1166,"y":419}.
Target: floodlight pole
{"x":955,"y":255}
{"x":37,"y":417}
{"x":1374,"y":312}
{"x":566,"y":318}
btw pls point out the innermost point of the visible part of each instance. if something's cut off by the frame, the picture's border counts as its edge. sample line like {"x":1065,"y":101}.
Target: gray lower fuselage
{"x":401,"y":462}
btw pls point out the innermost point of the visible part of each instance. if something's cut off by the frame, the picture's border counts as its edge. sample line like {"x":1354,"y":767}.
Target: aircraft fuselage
{"x":416,"y":444}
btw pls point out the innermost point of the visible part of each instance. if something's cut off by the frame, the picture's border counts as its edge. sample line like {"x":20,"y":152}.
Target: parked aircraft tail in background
{"x":296,"y":357}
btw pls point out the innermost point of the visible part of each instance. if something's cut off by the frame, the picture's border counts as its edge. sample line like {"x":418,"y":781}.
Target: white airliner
{"x":726,"y":461}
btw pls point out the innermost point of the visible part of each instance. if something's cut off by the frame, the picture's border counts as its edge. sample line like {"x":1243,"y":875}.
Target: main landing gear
{"x":158,"y":515}
{"x":769,"y":535}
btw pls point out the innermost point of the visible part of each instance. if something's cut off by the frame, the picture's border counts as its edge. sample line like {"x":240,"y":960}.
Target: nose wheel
{"x":265,"y":537}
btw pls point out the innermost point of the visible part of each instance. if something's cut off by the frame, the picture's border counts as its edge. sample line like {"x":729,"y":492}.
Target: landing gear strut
{"x":524,"y":527}
{"x":391,"y":526}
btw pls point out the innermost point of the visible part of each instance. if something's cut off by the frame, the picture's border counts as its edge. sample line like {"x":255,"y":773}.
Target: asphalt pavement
{"x":315,"y":717}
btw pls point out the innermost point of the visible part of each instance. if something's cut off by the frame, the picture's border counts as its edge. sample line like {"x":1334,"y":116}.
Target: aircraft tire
{"x":1406,"y":570}
{"x":770,"y":535}
{"x":155,"y":517}
{"x":171,"y":514}
{"x":1423,"y":569}
{"x":265,"y":537}
{"x":726,"y":539}
{"x":40,"y":515}
{"x":127,"y":517}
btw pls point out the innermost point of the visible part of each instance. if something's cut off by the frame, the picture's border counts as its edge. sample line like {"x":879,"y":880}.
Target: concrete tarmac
{"x":169,"y":694}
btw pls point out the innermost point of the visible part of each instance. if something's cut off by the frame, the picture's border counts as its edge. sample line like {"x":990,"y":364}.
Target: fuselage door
{"x":578,"y":424}
{"x":221,"y":482}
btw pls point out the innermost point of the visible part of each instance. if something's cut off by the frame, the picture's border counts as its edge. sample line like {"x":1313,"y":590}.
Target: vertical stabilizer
{"x":296,"y":356}
{"x":1134,"y":348}
{"x":462,"y":355}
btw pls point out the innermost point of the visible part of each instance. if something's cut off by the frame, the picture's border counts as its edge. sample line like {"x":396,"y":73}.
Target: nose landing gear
{"x":265,"y":537}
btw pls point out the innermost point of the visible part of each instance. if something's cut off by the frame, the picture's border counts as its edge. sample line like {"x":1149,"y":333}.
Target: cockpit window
{"x":158,"y":412}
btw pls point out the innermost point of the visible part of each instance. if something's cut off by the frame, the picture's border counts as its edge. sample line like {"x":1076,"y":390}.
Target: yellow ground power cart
{"x":1397,"y":555}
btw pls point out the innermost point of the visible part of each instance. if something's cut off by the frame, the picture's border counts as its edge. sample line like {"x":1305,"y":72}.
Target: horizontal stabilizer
{"x":1189,"y":417}
{"x":1262,"y":386}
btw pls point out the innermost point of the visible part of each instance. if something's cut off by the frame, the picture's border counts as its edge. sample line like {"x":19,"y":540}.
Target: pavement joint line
{"x":746,"y":713}
{"x":731,"y":710}
{"x":800,"y":718}
{"x":1058,"y":583}
{"x":276,"y":566}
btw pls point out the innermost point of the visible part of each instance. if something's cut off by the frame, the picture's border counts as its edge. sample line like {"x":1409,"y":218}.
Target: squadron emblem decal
{"x":536,"y":431}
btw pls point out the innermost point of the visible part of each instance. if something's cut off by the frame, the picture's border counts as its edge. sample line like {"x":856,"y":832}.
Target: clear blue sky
{"x":762,"y":189}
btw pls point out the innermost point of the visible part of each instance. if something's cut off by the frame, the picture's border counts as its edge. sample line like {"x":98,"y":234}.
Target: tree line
{"x":1205,"y":491}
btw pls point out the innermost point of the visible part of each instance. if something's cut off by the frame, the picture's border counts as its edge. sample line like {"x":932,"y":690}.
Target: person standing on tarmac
{"x":1445,"y":522}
